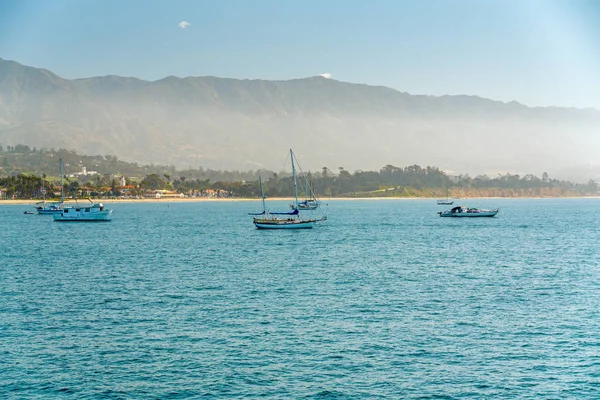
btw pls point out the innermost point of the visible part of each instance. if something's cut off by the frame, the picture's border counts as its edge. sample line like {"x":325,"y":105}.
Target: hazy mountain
{"x":229,"y":123}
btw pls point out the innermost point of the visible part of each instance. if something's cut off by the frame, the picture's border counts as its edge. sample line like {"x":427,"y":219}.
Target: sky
{"x":536,"y":52}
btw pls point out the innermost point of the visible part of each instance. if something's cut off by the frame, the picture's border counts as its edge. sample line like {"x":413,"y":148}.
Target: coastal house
{"x":163,"y":194}
{"x":215,"y":193}
{"x":126,"y":190}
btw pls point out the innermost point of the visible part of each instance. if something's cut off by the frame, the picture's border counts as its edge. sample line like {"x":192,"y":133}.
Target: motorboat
{"x":461,"y":211}
{"x":92,"y":213}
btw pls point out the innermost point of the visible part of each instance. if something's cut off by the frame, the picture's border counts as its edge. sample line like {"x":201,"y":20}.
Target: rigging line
{"x":309,"y":186}
{"x":305,"y":175}
{"x":284,"y":167}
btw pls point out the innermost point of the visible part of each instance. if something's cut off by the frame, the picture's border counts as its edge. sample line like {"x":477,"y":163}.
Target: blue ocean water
{"x":384,"y":300}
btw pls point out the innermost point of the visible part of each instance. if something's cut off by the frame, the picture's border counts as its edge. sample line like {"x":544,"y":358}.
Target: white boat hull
{"x":93,"y":213}
{"x":309,"y":207}
{"x":100,"y":216}
{"x":48,"y":211}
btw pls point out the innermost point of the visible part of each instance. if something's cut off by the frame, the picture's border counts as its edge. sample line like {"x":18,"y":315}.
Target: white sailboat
{"x":53,"y":207}
{"x":311,"y":202}
{"x":445,"y":202}
{"x":285,"y":220}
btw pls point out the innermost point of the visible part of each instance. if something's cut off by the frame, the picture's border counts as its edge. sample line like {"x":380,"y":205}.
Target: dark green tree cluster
{"x":21,"y":186}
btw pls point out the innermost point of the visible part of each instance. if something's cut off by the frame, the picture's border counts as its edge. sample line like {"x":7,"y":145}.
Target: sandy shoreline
{"x":196,"y":200}
{"x":204,"y":199}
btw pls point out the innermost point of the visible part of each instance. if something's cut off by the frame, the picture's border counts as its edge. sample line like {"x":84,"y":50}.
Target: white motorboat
{"x":93,"y":213}
{"x":465,"y":212}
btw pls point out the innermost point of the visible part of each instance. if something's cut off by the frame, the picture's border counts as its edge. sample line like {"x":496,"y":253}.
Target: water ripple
{"x":385,"y":300}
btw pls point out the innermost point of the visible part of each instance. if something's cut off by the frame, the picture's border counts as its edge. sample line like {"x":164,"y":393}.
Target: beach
{"x":239,"y":199}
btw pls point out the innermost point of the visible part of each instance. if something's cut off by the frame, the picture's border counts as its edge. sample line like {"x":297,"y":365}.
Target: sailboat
{"x":55,"y":207}
{"x":311,"y":202}
{"x":446,"y":202}
{"x":285,"y":220}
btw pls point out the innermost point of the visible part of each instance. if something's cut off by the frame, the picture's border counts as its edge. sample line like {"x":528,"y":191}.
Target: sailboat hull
{"x":308,"y":207}
{"x":48,"y":211}
{"x":283,"y":224}
{"x":305,"y":205}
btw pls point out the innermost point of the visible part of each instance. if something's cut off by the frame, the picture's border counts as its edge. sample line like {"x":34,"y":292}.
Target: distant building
{"x":167,"y":194}
{"x":84,"y":172}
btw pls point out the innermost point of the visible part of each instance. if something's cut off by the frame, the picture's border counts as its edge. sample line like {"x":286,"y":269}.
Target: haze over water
{"x":384,"y":300}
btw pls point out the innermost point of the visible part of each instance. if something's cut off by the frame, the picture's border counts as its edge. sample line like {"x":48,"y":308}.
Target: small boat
{"x":28,"y":212}
{"x":48,"y":208}
{"x":284,"y":223}
{"x":462,"y":212}
{"x":311,"y":204}
{"x":286,"y":220}
{"x":44,"y":207}
{"x":311,"y":201}
{"x":93,"y":213}
{"x":446,"y":202}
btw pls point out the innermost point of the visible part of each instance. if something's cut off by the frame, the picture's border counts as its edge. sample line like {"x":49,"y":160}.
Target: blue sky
{"x":538,"y":52}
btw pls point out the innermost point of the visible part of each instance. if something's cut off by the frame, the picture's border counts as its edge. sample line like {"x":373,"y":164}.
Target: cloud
{"x":326,"y":75}
{"x":183,"y":24}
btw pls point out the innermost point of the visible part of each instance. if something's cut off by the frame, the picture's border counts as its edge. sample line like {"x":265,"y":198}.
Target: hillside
{"x":250,"y":124}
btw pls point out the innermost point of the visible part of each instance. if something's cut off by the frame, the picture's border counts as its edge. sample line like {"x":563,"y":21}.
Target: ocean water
{"x":384,"y":300}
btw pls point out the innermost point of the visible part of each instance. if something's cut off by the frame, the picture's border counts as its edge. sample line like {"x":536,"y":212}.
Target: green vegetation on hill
{"x":22,"y":159}
{"x":22,"y":169}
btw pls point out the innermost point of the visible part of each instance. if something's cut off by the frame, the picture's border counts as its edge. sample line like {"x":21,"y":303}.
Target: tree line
{"x":390,"y":180}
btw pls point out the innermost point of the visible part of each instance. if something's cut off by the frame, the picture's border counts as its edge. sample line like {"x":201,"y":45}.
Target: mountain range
{"x":250,"y":124}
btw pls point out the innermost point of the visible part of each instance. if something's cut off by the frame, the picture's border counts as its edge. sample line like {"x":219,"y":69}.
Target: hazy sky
{"x":543,"y":52}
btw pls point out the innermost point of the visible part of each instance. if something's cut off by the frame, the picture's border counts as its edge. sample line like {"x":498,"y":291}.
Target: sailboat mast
{"x":262,"y":195}
{"x":62,"y":188}
{"x":294,"y":174}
